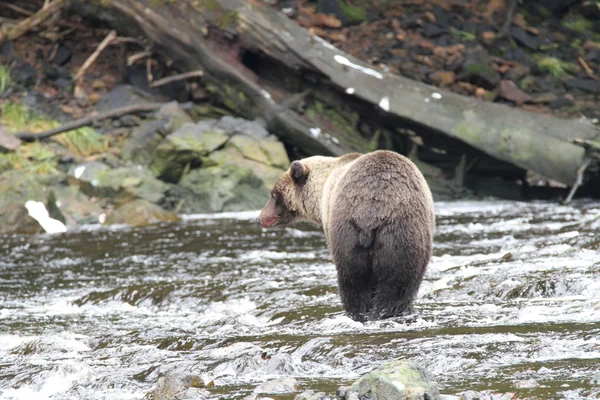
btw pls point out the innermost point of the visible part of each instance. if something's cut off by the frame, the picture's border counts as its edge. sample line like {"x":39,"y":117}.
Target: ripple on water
{"x":512,"y":293}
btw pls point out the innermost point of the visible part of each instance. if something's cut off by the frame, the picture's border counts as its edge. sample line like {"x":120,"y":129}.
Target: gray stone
{"x":140,"y":213}
{"x":232,"y":126}
{"x":310,"y":395}
{"x":8,"y":142}
{"x":231,"y":155}
{"x":16,"y":188}
{"x":15,"y":219}
{"x":174,"y":386}
{"x":220,"y":188}
{"x":120,"y":96}
{"x":76,"y":207}
{"x":141,"y":143}
{"x":120,"y":184}
{"x":186,"y":146}
{"x":278,"y":385}
{"x":396,"y":380}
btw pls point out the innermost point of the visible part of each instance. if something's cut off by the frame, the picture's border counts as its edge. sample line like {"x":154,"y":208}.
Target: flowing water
{"x":512,"y":293}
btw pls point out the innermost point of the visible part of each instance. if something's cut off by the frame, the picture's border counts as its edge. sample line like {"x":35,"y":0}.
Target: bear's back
{"x":382,"y":187}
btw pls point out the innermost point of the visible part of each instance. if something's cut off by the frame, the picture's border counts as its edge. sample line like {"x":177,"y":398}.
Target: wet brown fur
{"x":377,"y":213}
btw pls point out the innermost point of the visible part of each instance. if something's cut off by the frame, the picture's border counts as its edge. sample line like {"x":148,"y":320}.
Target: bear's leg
{"x":356,"y":284}
{"x":399,"y":268}
{"x":356,"y":280}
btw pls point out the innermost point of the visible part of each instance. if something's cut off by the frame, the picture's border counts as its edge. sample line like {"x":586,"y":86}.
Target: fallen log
{"x":256,"y":59}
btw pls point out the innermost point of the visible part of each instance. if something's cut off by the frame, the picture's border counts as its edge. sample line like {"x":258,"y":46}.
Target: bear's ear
{"x":298,"y":171}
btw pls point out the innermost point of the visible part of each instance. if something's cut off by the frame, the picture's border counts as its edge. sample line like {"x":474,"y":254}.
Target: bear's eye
{"x":272,"y":195}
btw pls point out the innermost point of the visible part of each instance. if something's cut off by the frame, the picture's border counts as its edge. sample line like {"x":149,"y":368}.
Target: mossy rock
{"x":396,"y":380}
{"x":143,"y":140}
{"x":76,"y":207}
{"x":231,"y":155}
{"x":120,"y":185}
{"x":186,"y":147}
{"x":268,"y":151}
{"x":221,"y":188}
{"x":140,"y":213}
{"x":18,"y":187}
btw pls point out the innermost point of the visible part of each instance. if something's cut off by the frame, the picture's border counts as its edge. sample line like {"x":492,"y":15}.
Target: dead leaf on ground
{"x":510,"y":91}
{"x":326,"y":20}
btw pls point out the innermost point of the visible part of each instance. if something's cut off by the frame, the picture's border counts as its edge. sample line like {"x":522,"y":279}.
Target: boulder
{"x":142,"y":142}
{"x":311,"y":395}
{"x":174,"y":386}
{"x":140,"y":213}
{"x":17,"y":188}
{"x":220,"y":188}
{"x":234,"y":126}
{"x":8,"y":142}
{"x":76,"y":207}
{"x":186,"y":146}
{"x":285,"y":384}
{"x":231,"y":155}
{"x":119,"y":184}
{"x":16,"y":219}
{"x":396,"y":380}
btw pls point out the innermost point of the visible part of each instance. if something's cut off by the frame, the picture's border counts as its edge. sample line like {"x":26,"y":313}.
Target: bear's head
{"x":283,"y":205}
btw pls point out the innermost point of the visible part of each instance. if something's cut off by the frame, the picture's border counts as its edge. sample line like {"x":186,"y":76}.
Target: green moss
{"x":31,"y":157}
{"x":554,"y":66}
{"x":353,"y":13}
{"x":17,"y":117}
{"x":550,"y":46}
{"x":465,"y":35}
{"x":4,"y":78}
{"x":578,"y":24}
{"x":374,"y":142}
{"x":84,"y":141}
{"x":475,"y":69}
{"x":526,"y":82}
{"x":228,"y":18}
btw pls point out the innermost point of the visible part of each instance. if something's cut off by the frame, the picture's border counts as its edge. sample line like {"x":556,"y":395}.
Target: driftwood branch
{"x":13,"y":32}
{"x":254,"y":57}
{"x":175,"y":78}
{"x":90,"y":60}
{"x":89,"y":120}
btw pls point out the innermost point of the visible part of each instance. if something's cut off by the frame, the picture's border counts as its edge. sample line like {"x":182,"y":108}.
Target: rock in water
{"x":279,"y":385}
{"x":311,"y":395}
{"x":173,"y":387}
{"x":140,"y":213}
{"x":396,"y":380}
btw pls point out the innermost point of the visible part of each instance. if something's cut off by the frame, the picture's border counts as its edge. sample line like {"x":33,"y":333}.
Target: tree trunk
{"x":259,"y":63}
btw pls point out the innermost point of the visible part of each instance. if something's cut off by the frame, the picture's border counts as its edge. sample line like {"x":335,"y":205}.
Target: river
{"x":512,"y":294}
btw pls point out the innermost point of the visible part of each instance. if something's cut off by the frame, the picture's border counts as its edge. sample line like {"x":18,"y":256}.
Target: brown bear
{"x":377,"y":213}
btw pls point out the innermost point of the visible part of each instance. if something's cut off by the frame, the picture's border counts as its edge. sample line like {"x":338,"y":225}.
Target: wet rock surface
{"x":402,"y":379}
{"x":140,"y":213}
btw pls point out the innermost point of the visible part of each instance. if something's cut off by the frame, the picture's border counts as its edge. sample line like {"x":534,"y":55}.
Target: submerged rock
{"x":311,"y":395}
{"x":174,"y":387}
{"x":396,"y":380}
{"x":140,"y":213}
{"x":279,"y":385}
